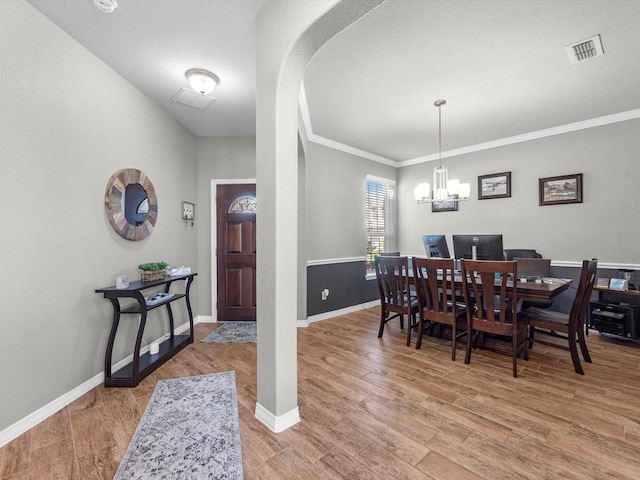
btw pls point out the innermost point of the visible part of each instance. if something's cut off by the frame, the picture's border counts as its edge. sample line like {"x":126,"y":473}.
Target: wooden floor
{"x":376,"y":409}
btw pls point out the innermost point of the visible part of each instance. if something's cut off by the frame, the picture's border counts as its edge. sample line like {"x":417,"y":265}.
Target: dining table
{"x":541,"y":290}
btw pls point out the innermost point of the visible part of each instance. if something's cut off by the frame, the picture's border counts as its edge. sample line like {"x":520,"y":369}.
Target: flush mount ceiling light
{"x":106,"y":6}
{"x":443,"y":188}
{"x":202,"y":81}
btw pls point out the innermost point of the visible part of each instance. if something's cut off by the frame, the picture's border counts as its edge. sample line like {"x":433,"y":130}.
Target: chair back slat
{"x":496,"y":310}
{"x":434,"y":280}
{"x":393,"y":281}
{"x":583,"y":294}
{"x":497,"y":305}
{"x":392,"y":274}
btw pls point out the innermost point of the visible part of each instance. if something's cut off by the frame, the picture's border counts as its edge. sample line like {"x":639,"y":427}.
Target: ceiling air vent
{"x":192,"y":99}
{"x":584,"y":50}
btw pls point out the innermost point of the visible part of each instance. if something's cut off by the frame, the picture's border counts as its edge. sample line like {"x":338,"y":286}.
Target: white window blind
{"x":379,"y":198}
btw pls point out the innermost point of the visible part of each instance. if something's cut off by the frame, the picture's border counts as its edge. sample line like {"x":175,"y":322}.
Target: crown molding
{"x":327,"y":142}
{"x":525,"y":137}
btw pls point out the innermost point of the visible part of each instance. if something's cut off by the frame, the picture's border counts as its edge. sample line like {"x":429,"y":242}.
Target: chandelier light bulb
{"x":464,"y":191}
{"x":453,"y":186}
{"x":422,"y":192}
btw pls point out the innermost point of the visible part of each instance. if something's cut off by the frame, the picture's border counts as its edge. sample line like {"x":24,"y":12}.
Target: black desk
{"x":143,"y":365}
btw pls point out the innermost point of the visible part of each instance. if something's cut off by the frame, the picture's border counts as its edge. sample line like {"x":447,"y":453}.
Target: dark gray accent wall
{"x":346,"y":283}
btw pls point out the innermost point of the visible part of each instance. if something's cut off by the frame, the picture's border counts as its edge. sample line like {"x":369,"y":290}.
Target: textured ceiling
{"x":501,"y":65}
{"x":152,"y":43}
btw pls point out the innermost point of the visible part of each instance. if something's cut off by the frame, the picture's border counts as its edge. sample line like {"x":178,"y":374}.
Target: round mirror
{"x":131,"y":204}
{"x":135,"y":204}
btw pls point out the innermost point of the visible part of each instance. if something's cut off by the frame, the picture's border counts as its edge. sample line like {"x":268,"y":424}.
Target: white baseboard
{"x":33,"y":419}
{"x":280,"y":423}
{"x":276,"y":424}
{"x":337,"y":313}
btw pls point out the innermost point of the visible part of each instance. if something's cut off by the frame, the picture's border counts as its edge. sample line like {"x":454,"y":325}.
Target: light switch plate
{"x":188,"y":211}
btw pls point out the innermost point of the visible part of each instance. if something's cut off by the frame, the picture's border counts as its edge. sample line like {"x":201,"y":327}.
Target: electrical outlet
{"x":325,"y":293}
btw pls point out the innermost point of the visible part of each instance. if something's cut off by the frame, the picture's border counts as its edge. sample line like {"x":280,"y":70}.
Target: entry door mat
{"x":189,"y":430}
{"x":233,"y":332}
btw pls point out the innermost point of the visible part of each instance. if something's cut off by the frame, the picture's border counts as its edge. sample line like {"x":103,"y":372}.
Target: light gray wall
{"x":335,"y":207}
{"x":233,"y":158}
{"x":218,"y":158}
{"x":67,"y":123}
{"x":302,"y":231}
{"x":603,"y":226}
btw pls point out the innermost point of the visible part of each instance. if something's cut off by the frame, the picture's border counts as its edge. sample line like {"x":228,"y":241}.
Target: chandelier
{"x":443,"y":188}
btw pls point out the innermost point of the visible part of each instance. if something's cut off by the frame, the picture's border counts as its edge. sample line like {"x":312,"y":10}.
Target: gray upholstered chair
{"x":511,"y":253}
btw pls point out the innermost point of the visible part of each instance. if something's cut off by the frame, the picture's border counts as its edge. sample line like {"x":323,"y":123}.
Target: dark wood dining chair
{"x":392,"y":274}
{"x":435,"y":287}
{"x":496,"y":306}
{"x":567,"y":327}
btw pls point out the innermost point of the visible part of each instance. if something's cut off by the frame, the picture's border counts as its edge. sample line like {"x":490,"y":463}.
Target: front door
{"x":236,"y":251}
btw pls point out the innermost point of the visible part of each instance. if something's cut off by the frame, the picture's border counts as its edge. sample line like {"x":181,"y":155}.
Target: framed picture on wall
{"x":559,"y":190}
{"x":496,"y":185}
{"x":445,"y":206}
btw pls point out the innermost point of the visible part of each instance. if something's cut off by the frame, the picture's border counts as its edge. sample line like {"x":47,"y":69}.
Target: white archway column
{"x":288,"y":34}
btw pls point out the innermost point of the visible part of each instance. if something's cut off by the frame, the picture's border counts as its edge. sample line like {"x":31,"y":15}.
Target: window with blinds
{"x":378,"y":219}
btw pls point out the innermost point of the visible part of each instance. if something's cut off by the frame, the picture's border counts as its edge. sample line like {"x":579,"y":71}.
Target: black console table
{"x":143,"y":365}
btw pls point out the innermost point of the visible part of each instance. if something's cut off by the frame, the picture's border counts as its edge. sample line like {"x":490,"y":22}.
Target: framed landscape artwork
{"x":496,"y":185}
{"x":446,"y":206}
{"x":560,"y":190}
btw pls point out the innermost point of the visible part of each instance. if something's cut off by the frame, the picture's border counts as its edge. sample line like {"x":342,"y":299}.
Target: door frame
{"x":214,"y":237}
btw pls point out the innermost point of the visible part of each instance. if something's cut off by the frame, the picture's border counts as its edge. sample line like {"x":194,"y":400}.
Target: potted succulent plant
{"x":152,"y":271}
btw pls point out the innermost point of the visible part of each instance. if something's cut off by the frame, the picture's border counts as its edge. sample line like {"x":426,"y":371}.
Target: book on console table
{"x":176,"y":271}
{"x":157,"y":298}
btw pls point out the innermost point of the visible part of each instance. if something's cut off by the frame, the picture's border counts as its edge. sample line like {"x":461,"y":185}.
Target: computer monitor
{"x":435,"y":246}
{"x":487,"y":247}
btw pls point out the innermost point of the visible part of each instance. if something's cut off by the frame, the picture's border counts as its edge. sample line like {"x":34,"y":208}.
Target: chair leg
{"x":583,"y":345}
{"x":411,"y":324}
{"x":573,"y":348}
{"x":470,"y":340}
{"x":382,"y":321}
{"x":454,"y":332}
{"x":514,"y":354}
{"x":420,"y":333}
{"x":532,"y":331}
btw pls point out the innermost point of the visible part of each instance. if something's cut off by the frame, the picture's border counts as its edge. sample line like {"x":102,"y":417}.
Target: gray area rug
{"x":236,"y":332}
{"x":189,"y":430}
